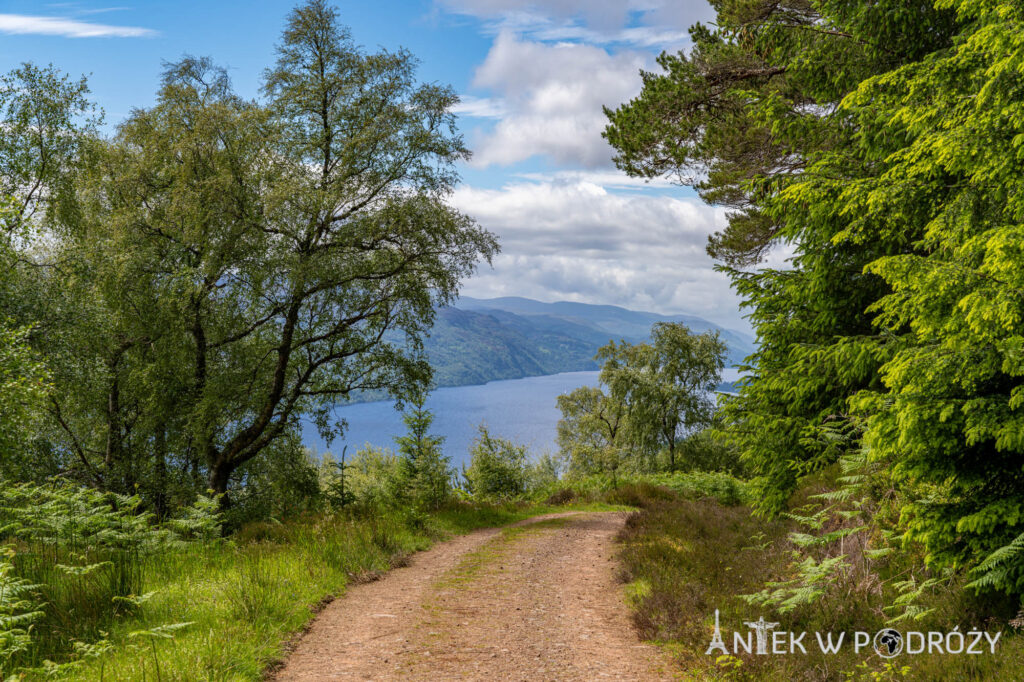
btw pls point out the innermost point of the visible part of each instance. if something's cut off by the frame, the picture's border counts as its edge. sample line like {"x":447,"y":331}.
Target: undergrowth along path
{"x":537,"y":600}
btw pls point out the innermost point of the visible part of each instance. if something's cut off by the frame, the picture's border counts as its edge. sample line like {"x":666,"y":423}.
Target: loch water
{"x":522,"y":410}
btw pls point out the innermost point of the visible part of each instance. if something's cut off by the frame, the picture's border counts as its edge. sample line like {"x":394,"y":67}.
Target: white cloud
{"x":609,"y":179}
{"x":583,"y":231}
{"x":577,"y":241}
{"x":69,"y":28}
{"x":479,"y":107}
{"x":553,"y":95}
{"x":644,"y":23}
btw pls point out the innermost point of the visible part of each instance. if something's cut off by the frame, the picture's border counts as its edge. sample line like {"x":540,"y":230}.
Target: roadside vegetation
{"x":879,"y":419}
{"x":92,"y":587}
{"x":176,"y":296}
{"x":683,"y":558}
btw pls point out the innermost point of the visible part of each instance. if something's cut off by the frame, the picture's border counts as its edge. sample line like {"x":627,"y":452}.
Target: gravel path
{"x":535,"y":601}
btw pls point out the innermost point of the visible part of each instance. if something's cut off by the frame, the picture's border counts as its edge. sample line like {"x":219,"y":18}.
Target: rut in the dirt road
{"x":536,"y":601}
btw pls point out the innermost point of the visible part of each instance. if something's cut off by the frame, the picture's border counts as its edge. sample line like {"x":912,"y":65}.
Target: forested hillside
{"x":618,"y":322}
{"x":481,"y":340}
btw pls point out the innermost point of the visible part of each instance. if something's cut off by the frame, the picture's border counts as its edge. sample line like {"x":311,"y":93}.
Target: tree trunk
{"x":160,"y":474}
{"x":220,"y":474}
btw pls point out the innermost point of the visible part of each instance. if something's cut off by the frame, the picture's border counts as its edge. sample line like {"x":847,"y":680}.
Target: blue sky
{"x":533,"y":77}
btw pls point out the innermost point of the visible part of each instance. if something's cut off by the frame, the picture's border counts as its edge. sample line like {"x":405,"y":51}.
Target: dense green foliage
{"x":667,"y":385}
{"x":592,"y":431}
{"x":497,"y":467}
{"x":743,"y":117}
{"x":652,"y":398}
{"x":879,"y":140}
{"x":22,"y":391}
{"x":219,"y":266}
{"x":950,"y":419}
{"x":76,"y":560}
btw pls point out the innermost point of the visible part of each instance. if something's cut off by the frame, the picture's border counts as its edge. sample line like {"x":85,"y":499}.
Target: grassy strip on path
{"x":244,"y":599}
{"x":472,"y":563}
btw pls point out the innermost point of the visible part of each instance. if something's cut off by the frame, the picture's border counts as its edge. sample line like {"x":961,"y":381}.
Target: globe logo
{"x":888,"y":643}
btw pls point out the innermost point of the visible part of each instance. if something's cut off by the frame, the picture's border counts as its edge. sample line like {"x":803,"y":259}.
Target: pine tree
{"x":425,"y":469}
{"x":742,"y":117}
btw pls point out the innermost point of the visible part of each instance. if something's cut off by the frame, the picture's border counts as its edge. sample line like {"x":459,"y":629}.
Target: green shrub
{"x":543,"y":473}
{"x":561,"y":496}
{"x":497,"y":467}
{"x":374,"y":477}
{"x":709,"y":450}
{"x":724,"y":488}
{"x":640,"y":494}
{"x":200,"y":521}
{"x":727,"y":489}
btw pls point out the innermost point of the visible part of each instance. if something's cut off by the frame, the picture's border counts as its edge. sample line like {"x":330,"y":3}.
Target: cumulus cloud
{"x":68,"y":28}
{"x":552,"y":97}
{"x":554,"y":64}
{"x":582,"y":231}
{"x":575,"y":240}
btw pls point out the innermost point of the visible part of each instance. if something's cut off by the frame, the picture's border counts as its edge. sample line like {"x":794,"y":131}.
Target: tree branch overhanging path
{"x":220,"y":268}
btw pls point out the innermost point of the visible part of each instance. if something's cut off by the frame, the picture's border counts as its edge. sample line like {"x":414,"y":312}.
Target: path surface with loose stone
{"x":537,"y":600}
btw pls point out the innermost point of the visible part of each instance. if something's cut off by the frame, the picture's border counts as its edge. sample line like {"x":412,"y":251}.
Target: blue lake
{"x":522,"y":410}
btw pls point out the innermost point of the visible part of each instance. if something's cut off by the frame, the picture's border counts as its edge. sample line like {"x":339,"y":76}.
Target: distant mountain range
{"x":481,"y":340}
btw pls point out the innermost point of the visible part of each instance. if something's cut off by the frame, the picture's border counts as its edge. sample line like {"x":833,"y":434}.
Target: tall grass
{"x":247,"y":598}
{"x":683,"y":558}
{"x":638,"y":489}
{"x":92,"y":589}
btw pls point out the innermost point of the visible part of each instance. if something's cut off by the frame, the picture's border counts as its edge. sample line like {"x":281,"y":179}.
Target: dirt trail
{"x":535,"y":601}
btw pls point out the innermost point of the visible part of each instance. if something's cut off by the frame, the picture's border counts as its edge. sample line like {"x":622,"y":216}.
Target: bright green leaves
{"x":884,"y":141}
{"x":952,"y":417}
{"x":497,"y":467}
{"x":593,"y":432}
{"x":652,"y":396}
{"x":665,"y":386}
{"x":46,"y":119}
{"x":754,"y":108}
